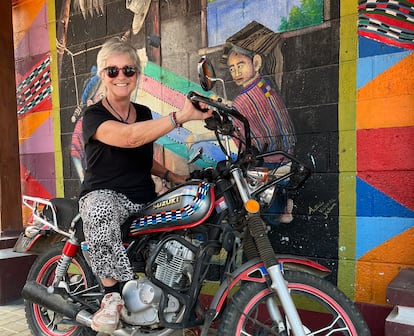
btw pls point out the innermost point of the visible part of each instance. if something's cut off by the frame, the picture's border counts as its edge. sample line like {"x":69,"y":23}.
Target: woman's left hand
{"x":177,"y":179}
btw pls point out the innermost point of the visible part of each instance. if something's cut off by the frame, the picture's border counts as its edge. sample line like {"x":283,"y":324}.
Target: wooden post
{"x":10,"y":194}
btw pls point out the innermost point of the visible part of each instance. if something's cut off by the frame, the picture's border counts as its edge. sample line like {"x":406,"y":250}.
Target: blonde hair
{"x":115,"y":46}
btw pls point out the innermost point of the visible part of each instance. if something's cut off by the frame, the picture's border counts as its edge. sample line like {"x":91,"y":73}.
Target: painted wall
{"x":345,"y":77}
{"x":384,"y":146}
{"x":34,"y":97}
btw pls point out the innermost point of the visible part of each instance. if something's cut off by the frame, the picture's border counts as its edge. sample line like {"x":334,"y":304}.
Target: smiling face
{"x":120,"y":86}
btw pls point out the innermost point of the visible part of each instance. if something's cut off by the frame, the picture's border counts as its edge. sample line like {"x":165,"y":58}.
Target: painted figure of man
{"x":270,"y":124}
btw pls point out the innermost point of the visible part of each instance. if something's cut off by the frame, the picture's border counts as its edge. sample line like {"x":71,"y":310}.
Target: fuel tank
{"x":183,"y":207}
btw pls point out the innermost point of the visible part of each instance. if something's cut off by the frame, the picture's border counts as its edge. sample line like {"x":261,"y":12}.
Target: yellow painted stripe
{"x":347,"y":144}
{"x":387,"y":101}
{"x":55,"y":98}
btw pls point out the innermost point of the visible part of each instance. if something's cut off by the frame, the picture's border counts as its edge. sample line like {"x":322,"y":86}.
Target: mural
{"x":51,"y":152}
{"x":271,"y":127}
{"x":79,"y":25}
{"x":34,"y":98}
{"x":225,"y":18}
{"x":384,"y":138}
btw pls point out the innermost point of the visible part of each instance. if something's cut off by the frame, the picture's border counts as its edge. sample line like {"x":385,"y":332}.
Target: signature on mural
{"x":323,"y":208}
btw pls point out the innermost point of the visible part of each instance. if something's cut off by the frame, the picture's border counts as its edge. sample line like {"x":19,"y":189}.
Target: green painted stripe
{"x":171,"y":80}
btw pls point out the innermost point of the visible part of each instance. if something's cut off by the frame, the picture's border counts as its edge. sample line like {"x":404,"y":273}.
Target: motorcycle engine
{"x":174,"y":267}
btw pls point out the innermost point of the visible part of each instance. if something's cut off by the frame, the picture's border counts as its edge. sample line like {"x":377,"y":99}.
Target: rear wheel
{"x":322,"y":307}
{"x":79,"y":281}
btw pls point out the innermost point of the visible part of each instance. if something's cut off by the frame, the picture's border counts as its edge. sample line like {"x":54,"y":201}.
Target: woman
{"x":119,"y":138}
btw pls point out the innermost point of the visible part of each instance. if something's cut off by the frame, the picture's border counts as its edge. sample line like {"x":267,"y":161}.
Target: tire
{"x":318,"y":302}
{"x":44,"y":322}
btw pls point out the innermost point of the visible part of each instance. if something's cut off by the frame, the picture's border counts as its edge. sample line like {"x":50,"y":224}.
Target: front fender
{"x":254,"y":270}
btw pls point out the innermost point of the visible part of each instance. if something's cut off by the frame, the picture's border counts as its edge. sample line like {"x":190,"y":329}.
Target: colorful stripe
{"x":173,"y":215}
{"x":35,"y":88}
{"x":268,"y":117}
{"x":391,"y":22}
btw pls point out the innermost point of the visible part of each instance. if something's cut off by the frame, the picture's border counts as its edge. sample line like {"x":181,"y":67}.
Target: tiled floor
{"x":13,"y":320}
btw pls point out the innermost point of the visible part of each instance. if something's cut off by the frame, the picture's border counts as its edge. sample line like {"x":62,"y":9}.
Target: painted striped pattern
{"x":268,"y":117}
{"x":388,"y":21}
{"x":34,"y":88}
{"x":173,"y":215}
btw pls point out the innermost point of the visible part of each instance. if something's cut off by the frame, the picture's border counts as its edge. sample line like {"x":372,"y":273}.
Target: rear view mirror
{"x":206,"y":74}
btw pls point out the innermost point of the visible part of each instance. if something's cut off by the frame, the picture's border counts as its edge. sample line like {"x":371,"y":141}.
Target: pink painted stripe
{"x":163,"y":93}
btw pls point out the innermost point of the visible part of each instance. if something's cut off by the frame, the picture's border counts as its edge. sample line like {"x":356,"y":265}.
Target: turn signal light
{"x":252,"y":206}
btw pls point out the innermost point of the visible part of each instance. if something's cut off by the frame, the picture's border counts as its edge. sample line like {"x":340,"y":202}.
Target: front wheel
{"x":322,"y":307}
{"x":79,"y":281}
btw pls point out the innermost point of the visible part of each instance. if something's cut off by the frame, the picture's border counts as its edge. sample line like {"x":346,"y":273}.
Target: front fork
{"x":258,"y":231}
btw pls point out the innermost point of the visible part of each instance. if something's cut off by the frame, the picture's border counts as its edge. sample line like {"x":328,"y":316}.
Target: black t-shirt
{"x":124,"y":170}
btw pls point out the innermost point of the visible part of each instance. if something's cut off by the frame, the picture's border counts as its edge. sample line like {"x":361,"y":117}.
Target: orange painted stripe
{"x":377,"y":268}
{"x":388,"y":100}
{"x":24,"y":13}
{"x":30,"y":123}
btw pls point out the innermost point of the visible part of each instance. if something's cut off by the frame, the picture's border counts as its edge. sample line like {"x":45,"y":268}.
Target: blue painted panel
{"x":373,"y":231}
{"x":226,"y":17}
{"x":374,"y":203}
{"x":368,"y":47}
{"x":370,"y":67}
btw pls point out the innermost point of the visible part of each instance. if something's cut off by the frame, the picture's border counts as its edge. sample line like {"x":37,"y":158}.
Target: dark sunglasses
{"x":113,"y":71}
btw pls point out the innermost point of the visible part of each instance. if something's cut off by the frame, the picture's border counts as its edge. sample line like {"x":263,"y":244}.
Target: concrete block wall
{"x":348,"y":93}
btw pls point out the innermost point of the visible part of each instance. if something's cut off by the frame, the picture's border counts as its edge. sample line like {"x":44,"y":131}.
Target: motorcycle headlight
{"x":257,"y":176}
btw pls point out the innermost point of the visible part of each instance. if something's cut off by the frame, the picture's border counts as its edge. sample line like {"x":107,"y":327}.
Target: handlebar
{"x":196,"y":98}
{"x":224,"y":111}
{"x":220,"y":121}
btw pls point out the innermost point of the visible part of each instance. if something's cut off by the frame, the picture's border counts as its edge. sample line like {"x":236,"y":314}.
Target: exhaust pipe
{"x":38,"y":294}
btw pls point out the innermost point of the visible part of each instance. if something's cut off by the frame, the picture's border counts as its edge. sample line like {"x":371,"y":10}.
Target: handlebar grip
{"x":196,"y":98}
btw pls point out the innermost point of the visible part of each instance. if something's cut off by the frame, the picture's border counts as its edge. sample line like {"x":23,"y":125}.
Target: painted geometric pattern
{"x":385,"y":154}
{"x":33,"y":94}
{"x":35,"y":87}
{"x":391,"y":22}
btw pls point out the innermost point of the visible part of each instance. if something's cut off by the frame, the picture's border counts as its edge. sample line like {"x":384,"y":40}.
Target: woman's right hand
{"x":190,"y":112}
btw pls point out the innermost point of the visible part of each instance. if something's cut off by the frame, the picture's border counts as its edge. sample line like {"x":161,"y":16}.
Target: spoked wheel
{"x":324,"y":310}
{"x":79,"y":281}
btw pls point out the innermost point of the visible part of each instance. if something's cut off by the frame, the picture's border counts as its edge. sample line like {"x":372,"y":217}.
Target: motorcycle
{"x":212,"y":222}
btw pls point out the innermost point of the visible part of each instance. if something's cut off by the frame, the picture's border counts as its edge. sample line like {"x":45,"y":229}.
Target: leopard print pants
{"x":103,"y":212}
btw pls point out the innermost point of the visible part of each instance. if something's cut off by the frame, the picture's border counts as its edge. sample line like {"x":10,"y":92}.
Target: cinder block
{"x":400,"y":291}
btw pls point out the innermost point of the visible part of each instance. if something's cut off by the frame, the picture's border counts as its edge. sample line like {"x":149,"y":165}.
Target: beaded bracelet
{"x":173,"y":119}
